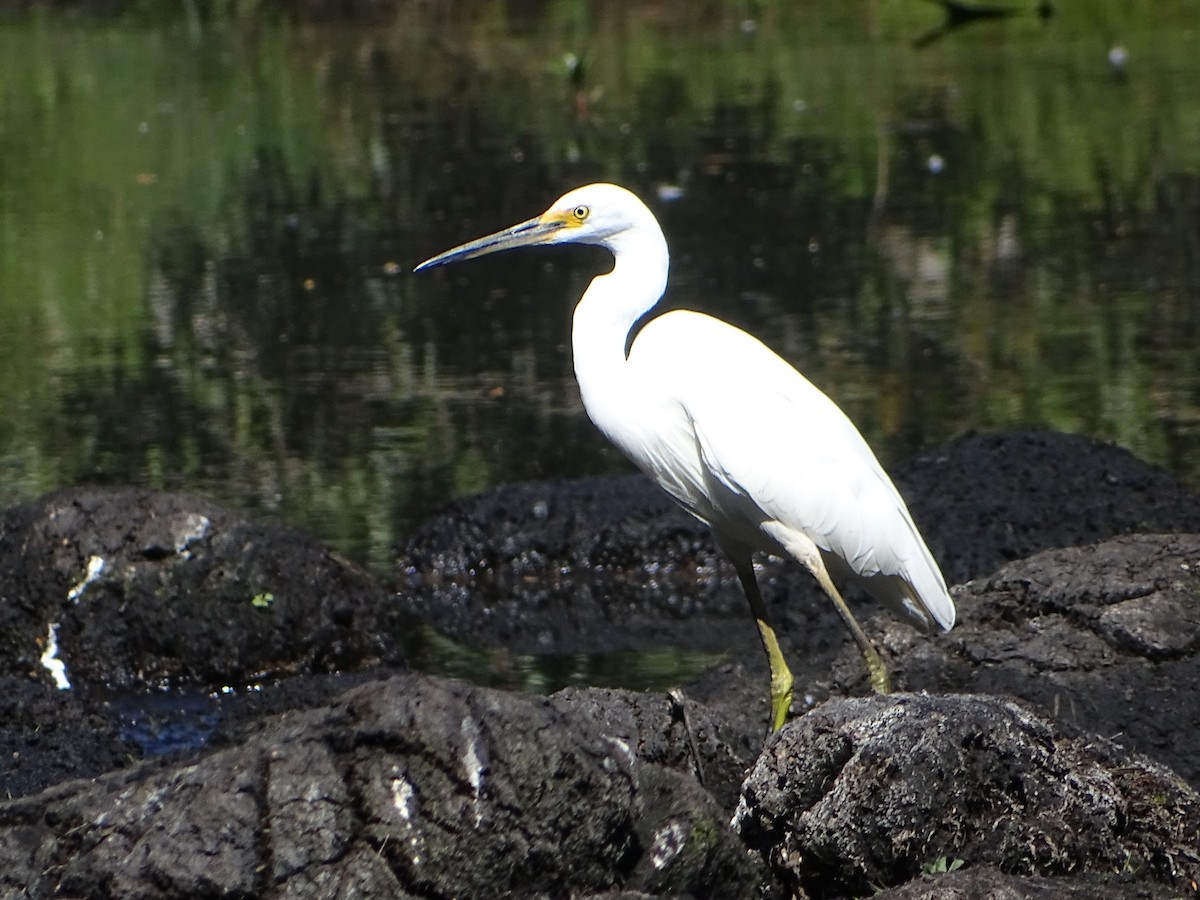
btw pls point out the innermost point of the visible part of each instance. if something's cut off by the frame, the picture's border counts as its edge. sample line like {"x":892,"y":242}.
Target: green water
{"x":207,"y":228}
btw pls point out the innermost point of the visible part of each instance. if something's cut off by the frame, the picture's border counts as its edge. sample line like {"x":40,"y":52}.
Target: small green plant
{"x":263,"y":600}
{"x":942,"y":865}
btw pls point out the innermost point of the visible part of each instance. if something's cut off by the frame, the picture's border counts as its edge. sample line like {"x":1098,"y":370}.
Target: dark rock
{"x":47,"y":736}
{"x":986,"y":499}
{"x":595,"y":792}
{"x":596,"y":565}
{"x":1104,"y":637}
{"x":151,"y":588}
{"x":604,"y":565}
{"x":989,"y":883}
{"x":687,"y":845}
{"x":408,"y":787}
{"x":874,"y":791}
{"x":140,"y":590}
{"x":608,"y":564}
{"x":674,"y":732}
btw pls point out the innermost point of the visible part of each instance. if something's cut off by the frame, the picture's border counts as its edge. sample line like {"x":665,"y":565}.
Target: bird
{"x":734,"y":433}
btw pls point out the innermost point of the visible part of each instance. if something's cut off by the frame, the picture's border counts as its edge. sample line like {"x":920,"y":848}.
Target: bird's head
{"x":595,"y":214}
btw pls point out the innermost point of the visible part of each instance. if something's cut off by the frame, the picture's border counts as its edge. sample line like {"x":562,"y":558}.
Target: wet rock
{"x":408,"y":787}
{"x":48,"y":736}
{"x":873,"y":791}
{"x":139,"y":588}
{"x":1104,"y":637}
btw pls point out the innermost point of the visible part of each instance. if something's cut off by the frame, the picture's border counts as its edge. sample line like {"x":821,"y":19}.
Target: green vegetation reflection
{"x":649,"y":670}
{"x":208,"y":218}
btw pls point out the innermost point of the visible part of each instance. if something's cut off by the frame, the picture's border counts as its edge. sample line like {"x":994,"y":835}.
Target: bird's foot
{"x":881,"y":682}
{"x":781,"y":698}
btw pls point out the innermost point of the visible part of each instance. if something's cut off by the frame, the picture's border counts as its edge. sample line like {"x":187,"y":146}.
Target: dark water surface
{"x":207,"y":230}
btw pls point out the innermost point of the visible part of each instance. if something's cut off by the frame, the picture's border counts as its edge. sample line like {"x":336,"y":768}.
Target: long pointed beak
{"x":534,"y":231}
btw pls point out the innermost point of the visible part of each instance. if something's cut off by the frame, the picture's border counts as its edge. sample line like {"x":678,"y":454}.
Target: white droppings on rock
{"x":624,"y":749}
{"x":668,"y":843}
{"x":95,"y":568}
{"x":190,"y":529}
{"x":50,"y":661}
{"x":404,"y":797}
{"x":474,"y":762}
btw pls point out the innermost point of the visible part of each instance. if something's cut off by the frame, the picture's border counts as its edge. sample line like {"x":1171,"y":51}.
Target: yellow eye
{"x":580,"y":213}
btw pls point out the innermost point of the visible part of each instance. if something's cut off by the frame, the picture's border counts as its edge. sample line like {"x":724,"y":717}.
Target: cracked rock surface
{"x":1103,"y":637}
{"x":409,"y":787}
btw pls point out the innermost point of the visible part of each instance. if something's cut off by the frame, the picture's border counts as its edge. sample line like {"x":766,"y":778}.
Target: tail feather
{"x":925,"y":606}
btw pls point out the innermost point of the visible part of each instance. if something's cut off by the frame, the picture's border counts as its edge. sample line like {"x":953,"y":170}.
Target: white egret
{"x":736,"y":435}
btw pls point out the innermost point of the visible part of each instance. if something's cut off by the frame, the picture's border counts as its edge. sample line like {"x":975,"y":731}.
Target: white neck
{"x":607,"y":312}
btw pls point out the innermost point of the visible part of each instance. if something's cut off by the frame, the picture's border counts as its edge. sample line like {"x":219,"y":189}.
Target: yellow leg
{"x":781,"y":675}
{"x":805,"y":551}
{"x":876,"y":670}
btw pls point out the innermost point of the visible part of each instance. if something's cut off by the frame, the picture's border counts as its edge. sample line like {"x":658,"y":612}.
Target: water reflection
{"x":653,"y":670}
{"x":207,"y":287}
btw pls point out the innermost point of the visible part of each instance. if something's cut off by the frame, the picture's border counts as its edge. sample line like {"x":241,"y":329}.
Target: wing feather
{"x":768,"y":446}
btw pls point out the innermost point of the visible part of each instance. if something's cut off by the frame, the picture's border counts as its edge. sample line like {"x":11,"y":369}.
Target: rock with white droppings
{"x":189,"y":528}
{"x":474,"y":764}
{"x":688,"y":846}
{"x":50,"y":661}
{"x":403,"y":796}
{"x":668,"y":842}
{"x":95,"y":568}
{"x":152,"y":588}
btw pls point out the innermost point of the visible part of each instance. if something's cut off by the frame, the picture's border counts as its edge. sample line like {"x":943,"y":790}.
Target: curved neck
{"x":613,"y":303}
{"x":604,"y":317}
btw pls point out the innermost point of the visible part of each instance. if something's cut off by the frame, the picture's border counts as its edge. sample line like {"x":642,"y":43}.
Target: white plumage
{"x":735,"y":434}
